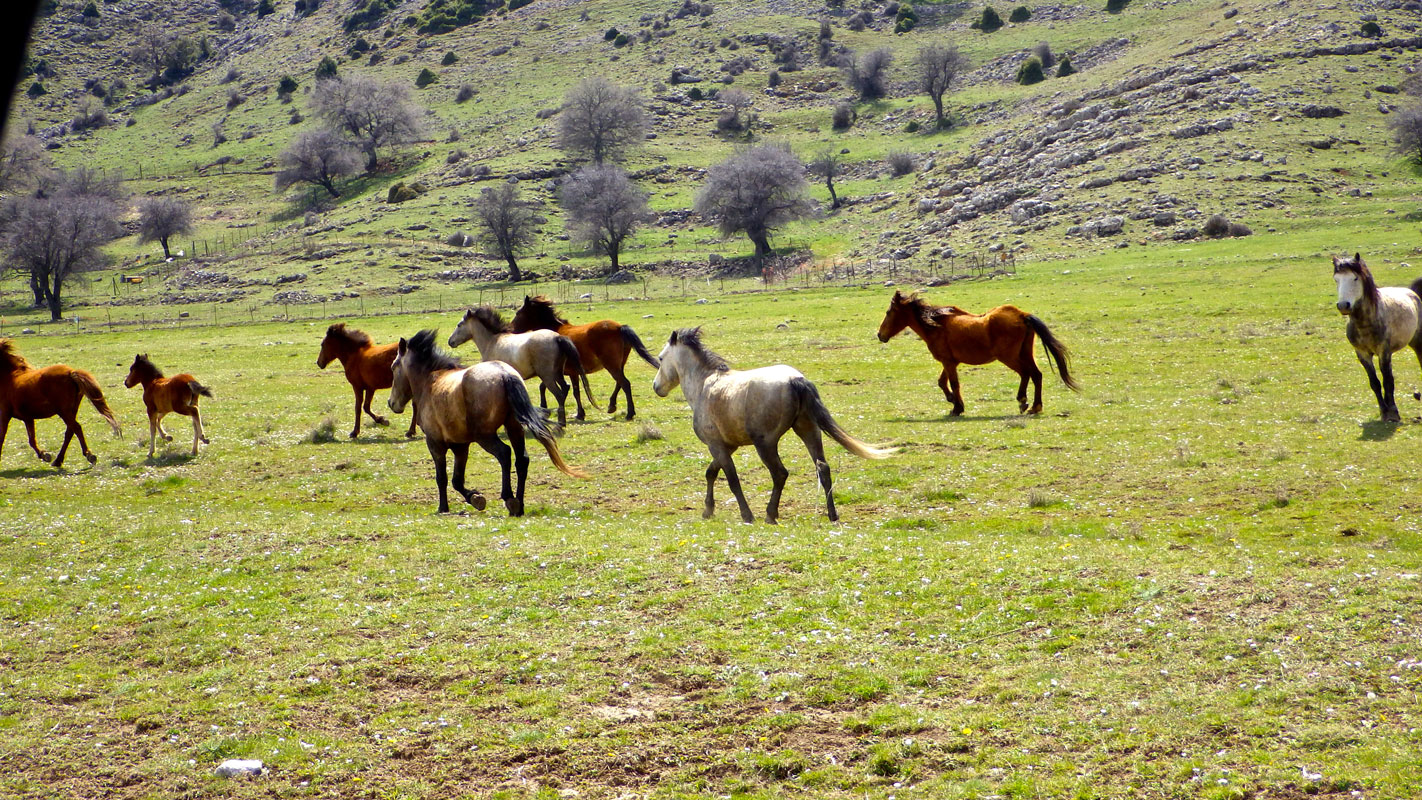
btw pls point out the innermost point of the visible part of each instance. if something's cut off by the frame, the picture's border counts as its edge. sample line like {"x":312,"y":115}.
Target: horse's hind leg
{"x":437,"y":451}
{"x":520,"y":456}
{"x":379,"y":420}
{"x":578,"y":398}
{"x":1390,"y":412}
{"x":809,"y":433}
{"x":495,"y":447}
{"x":560,"y":393}
{"x":621,"y":384}
{"x":197,"y":431}
{"x":722,"y":454}
{"x":461,"y":458}
{"x":34,"y":445}
{"x":770,"y":454}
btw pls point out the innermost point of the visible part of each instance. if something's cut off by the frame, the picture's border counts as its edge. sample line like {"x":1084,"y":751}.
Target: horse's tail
{"x":199,"y":389}
{"x":1057,"y":352}
{"x":91,"y":390}
{"x":1416,"y":287}
{"x":811,"y":403}
{"x":535,"y":421}
{"x":630,"y":337}
{"x":571,"y":356}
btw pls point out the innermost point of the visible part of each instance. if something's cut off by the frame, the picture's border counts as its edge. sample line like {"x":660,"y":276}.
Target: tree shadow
{"x":1378,"y":431}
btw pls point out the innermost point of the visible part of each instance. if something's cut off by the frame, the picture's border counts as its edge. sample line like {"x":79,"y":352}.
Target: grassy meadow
{"x":1197,"y":578}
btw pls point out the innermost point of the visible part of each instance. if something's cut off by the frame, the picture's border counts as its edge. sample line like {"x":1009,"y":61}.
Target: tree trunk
{"x":515,"y":274}
{"x":834,"y":198}
{"x":938,"y":109}
{"x":371,"y":160}
{"x":163,"y":240}
{"x":761,"y":240}
{"x":56,"y":314}
{"x":612,"y":254}
{"x":37,"y":286}
{"x":331,"y":187}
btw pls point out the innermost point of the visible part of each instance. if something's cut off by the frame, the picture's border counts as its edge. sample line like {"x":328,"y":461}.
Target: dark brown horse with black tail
{"x":954,"y":337}
{"x":604,"y":344}
{"x":28,"y":394}
{"x":367,"y":366}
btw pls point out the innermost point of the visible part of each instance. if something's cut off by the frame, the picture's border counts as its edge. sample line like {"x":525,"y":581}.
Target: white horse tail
{"x":535,"y":421}
{"x":571,"y":356}
{"x":811,"y":403}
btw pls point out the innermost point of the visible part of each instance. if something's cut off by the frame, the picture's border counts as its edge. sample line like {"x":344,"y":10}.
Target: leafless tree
{"x":737,"y":117}
{"x":163,"y":53}
{"x":160,"y":218}
{"x":507,"y":223}
{"x":829,"y":166}
{"x":319,"y":157}
{"x":604,"y":207}
{"x":939,"y":66}
{"x":600,"y":120}
{"x":1406,"y":125}
{"x":58,"y":232}
{"x":376,"y":115}
{"x":23,"y":163}
{"x":869,"y":75}
{"x":755,"y":191}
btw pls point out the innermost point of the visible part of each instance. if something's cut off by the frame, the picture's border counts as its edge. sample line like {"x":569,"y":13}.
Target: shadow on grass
{"x":945,"y":417}
{"x":32,"y":472}
{"x":1378,"y":431}
{"x":170,"y":459}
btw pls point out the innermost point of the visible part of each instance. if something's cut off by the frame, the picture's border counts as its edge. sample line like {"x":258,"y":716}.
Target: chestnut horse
{"x":367,"y":367}
{"x":1381,"y":321}
{"x":956,"y":337}
{"x":162,"y":396}
{"x":459,"y":405}
{"x":604,"y":344}
{"x":29,"y":394}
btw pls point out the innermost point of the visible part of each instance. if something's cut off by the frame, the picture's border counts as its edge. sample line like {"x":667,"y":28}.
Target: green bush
{"x":1064,"y":67}
{"x":989,"y":21}
{"x":326,"y":69}
{"x":695,"y":93}
{"x":1370,"y":29}
{"x":912,"y":127}
{"x":620,"y":41}
{"x":1020,"y":14}
{"x":287,"y":85}
{"x":443,"y":16}
{"x":368,"y":16}
{"x":610,"y":35}
{"x":36,"y":89}
{"x":1030,"y":72}
{"x":449,"y":58}
{"x":91,"y":10}
{"x":399,"y":193}
{"x":265,"y":8}
{"x":425,"y":78}
{"x":906,"y":19}
{"x":1116,"y":6}
{"x":515,"y":5}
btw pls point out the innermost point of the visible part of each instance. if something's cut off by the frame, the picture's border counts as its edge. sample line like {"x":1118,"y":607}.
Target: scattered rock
{"x":236,"y":767}
{"x":1314,"y":111}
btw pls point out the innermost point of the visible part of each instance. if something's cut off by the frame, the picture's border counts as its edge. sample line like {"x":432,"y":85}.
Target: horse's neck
{"x":484,"y":339}
{"x":694,"y":380}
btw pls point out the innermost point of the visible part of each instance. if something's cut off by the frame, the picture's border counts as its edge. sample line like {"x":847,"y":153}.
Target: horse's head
{"x":141,"y":370}
{"x":1355,"y":282}
{"x":339,"y":342}
{"x":669,"y":373}
{"x":400,"y":381}
{"x":463,"y":331}
{"x":898,"y":316}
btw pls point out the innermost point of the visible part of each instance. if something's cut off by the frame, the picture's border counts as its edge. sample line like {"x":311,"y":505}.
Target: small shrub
{"x":218,"y":136}
{"x":1064,"y":67}
{"x":425,"y":78}
{"x":1030,"y":72}
{"x":900,"y":162}
{"x":989,"y":21}
{"x":226,"y":22}
{"x":905,"y":19}
{"x":773,"y":79}
{"x":326,"y":69}
{"x":455,"y":156}
{"x":858,"y":22}
{"x":1043,"y":52}
{"x":265,"y":8}
{"x":1370,"y":29}
{"x":649,"y":433}
{"x":842,"y":117}
{"x":515,"y":5}
{"x":1216,"y":226}
{"x":695,"y":93}
{"x":400,"y":192}
{"x":1020,"y":14}
{"x":620,"y":40}
{"x":454,"y":136}
{"x":912,"y":126}
{"x":610,"y":34}
{"x":91,"y":10}
{"x":287,"y":85}
{"x":1239,"y":229}
{"x":459,"y":239}
{"x":234,"y":99}
{"x":1116,"y":6}
{"x":296,"y":117}
{"x":323,"y":433}
{"x":449,"y":59}
{"x":91,"y":115}
{"x":36,"y":89}
{"x":465,"y":92}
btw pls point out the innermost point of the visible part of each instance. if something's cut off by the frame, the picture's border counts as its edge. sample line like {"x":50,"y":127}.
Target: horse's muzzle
{"x":1345,"y":308}
{"x":882,"y":338}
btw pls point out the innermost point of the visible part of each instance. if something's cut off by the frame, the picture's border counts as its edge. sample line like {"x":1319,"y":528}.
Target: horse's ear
{"x":527,"y":299}
{"x":672,"y":340}
{"x":404,"y":345}
{"x":1335,"y":261}
{"x":1358,"y":259}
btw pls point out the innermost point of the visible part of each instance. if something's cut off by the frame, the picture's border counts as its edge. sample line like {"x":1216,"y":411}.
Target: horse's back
{"x":745,"y":405}
{"x":44,"y":392}
{"x":466,"y":403}
{"x":1396,"y":325}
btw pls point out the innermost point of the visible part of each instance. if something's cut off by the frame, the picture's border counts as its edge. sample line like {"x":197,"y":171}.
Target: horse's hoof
{"x":770,"y":521}
{"x":833,"y":517}
{"x":708,"y":513}
{"x":45,"y":457}
{"x":93,"y":459}
{"x":957,"y":412}
{"x":478,"y":501}
{"x":206,"y":440}
{"x":381,"y":421}
{"x":354,"y":434}
{"x":748,"y":518}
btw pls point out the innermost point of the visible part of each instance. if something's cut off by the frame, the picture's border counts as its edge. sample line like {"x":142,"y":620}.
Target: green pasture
{"x":1197,"y":578}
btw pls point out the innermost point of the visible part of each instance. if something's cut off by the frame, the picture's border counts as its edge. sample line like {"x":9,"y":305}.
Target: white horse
{"x":733,"y":408}
{"x":1381,"y":321}
{"x":542,"y":353}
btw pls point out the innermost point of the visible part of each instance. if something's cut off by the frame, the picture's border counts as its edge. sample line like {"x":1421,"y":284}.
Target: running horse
{"x":547,"y":354}
{"x":460,"y":405}
{"x":954,"y":337}
{"x":28,"y":394}
{"x":162,"y":396}
{"x":367,"y":367}
{"x":1381,"y":321}
{"x":731,"y":409}
{"x":604,"y":344}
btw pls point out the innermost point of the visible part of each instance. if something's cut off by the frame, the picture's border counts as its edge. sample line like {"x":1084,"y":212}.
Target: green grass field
{"x":1198,"y":578}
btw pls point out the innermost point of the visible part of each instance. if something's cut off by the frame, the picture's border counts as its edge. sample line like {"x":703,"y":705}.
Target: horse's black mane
{"x":490,"y":319}
{"x":149,"y":367}
{"x":1355,"y":265}
{"x":426,"y":356}
{"x":355,"y":337}
{"x":543,"y":310}
{"x":926,"y":312}
{"x":691,"y":337}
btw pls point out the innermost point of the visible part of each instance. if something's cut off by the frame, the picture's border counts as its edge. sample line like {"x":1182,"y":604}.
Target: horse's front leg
{"x":34,"y":443}
{"x":770,"y":454}
{"x":437,"y":451}
{"x":948,"y":382}
{"x":1367,"y":362}
{"x":711,"y":473}
{"x":471,"y":496}
{"x":356,"y":430}
{"x":414,"y":415}
{"x":722,"y":454}
{"x":379,"y":420}
{"x":4,"y":428}
{"x":152,"y":433}
{"x":1390,"y":412}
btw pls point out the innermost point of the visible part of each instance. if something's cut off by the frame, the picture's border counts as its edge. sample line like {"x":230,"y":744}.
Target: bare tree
{"x":600,"y":120}
{"x":754,"y":192}
{"x":165,"y":54}
{"x":604,"y":207}
{"x":869,"y":75}
{"x":829,"y":166}
{"x":23,"y":164}
{"x":58,"y":232}
{"x":376,"y":115}
{"x":160,"y":218}
{"x":319,"y":157}
{"x":737,"y":117}
{"x":507,"y":223}
{"x":1406,"y":125}
{"x":939,"y":66}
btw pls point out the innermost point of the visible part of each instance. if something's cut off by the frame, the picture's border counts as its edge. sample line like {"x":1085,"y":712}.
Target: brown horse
{"x":29,"y":394}
{"x":955,"y":337}
{"x":604,"y":344}
{"x":460,"y":405}
{"x":367,"y":367}
{"x":162,"y":396}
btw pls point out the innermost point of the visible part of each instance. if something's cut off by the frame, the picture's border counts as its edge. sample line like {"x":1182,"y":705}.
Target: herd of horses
{"x":456,"y":405}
